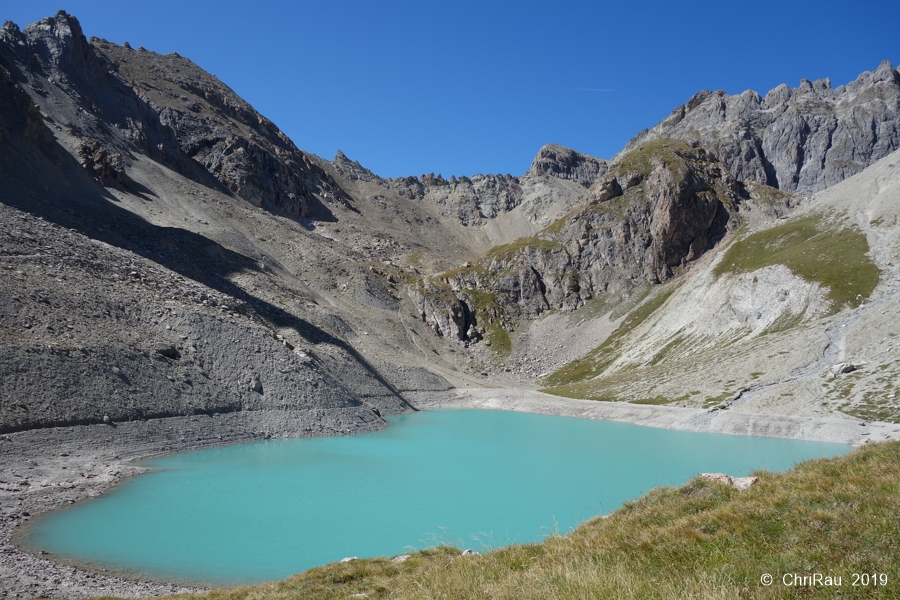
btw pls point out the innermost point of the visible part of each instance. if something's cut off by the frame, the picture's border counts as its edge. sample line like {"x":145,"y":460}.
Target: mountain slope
{"x":797,"y":317}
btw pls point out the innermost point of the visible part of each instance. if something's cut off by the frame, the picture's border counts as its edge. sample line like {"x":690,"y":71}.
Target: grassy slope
{"x":702,"y":540}
{"x":567,"y":381}
{"x":834,"y":257}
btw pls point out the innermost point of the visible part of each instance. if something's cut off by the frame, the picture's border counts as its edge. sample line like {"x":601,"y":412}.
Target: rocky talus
{"x":801,"y":139}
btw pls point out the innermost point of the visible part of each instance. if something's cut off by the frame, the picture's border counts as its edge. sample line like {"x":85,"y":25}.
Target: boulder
{"x":842,"y":368}
{"x":256,"y":384}
{"x":605,"y":190}
{"x":738,"y":483}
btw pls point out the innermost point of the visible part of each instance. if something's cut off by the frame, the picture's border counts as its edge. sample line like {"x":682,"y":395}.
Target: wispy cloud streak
{"x":586,"y":90}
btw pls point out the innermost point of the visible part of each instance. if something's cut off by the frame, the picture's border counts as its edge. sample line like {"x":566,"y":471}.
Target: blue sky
{"x":464,"y":87}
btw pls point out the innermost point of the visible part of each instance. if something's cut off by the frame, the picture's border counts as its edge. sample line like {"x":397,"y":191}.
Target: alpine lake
{"x":476,"y":479}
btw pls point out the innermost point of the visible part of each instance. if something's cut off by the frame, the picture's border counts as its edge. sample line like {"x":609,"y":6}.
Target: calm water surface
{"x":473,"y":478}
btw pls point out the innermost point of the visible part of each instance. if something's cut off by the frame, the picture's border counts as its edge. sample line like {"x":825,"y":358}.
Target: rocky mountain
{"x":565,"y":163}
{"x":168,"y":251}
{"x":801,"y":139}
{"x":652,"y":213}
{"x":175,"y":272}
{"x":114,"y":99}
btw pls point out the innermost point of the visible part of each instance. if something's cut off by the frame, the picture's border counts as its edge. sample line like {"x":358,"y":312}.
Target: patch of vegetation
{"x":656,"y":400}
{"x":665,"y":150}
{"x":487,"y":310}
{"x":617,"y":206}
{"x":765,"y":194}
{"x":873,"y":411}
{"x":703,"y":540}
{"x":635,"y":296}
{"x":613,"y":305}
{"x":784,"y":322}
{"x":667,"y":349}
{"x":601,"y":357}
{"x":719,"y":400}
{"x":508,"y":251}
{"x":814,"y":250}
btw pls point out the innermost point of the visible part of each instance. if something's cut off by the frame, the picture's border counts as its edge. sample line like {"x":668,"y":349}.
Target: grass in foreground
{"x":703,"y":540}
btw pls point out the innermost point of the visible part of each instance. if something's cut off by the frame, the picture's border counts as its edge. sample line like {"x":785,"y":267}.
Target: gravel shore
{"x":837,"y":430}
{"x":45,"y":469}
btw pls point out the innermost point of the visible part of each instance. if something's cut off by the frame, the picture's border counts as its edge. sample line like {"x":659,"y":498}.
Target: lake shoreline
{"x":44,"y":469}
{"x":849,"y":430}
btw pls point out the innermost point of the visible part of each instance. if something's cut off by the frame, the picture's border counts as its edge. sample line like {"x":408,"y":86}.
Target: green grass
{"x":596,"y":361}
{"x":702,"y":541}
{"x":835,"y":257}
{"x":642,"y":159}
{"x":508,"y":251}
{"x":656,"y":400}
{"x":769,"y":195}
{"x":486,"y":308}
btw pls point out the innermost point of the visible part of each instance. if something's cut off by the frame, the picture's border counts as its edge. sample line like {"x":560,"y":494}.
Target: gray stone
{"x":738,"y":483}
{"x":564,"y":163}
{"x":606,"y":189}
{"x":800,"y":139}
{"x":842,"y":368}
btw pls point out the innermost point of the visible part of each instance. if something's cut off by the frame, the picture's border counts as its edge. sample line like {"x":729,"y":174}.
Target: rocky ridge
{"x":654,"y":212}
{"x":116,"y":99}
{"x":801,"y":139}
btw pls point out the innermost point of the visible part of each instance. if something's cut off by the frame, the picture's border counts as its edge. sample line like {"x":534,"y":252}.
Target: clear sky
{"x":468,"y":87}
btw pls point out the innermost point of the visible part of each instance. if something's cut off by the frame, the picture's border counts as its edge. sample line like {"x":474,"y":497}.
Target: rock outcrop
{"x":77,"y":89}
{"x":657,"y":209}
{"x":558,"y":161}
{"x":801,"y":139}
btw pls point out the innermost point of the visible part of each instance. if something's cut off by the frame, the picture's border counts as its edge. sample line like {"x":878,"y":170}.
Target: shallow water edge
{"x":100,"y":456}
{"x":849,"y":430}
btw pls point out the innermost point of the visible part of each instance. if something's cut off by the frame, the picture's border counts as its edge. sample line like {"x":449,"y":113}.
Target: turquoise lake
{"x":472,"y":478}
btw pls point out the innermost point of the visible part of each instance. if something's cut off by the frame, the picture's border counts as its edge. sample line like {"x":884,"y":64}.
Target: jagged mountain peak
{"x":353,"y":170}
{"x":801,"y":139}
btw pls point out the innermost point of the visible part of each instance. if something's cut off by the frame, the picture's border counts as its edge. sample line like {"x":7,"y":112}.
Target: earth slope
{"x":168,"y":251}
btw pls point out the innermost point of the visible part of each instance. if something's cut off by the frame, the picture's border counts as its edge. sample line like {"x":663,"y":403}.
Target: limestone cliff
{"x":797,"y":139}
{"x":656,"y":210}
{"x":115,"y":100}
